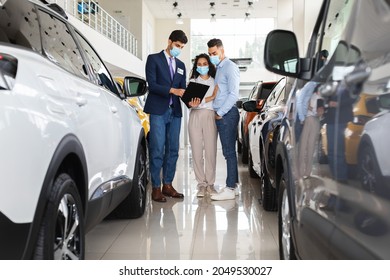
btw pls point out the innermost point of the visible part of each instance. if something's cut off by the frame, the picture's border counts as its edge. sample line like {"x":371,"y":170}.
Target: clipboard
{"x":194,"y":90}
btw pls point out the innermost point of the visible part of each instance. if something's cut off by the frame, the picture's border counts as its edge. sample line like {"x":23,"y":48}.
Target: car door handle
{"x":81,"y":101}
{"x":114,"y":109}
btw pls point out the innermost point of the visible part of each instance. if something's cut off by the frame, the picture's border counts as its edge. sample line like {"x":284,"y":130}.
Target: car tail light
{"x":360,"y":120}
{"x":8,"y":69}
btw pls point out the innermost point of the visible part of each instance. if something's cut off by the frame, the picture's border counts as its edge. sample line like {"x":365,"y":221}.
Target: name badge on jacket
{"x":180,"y":71}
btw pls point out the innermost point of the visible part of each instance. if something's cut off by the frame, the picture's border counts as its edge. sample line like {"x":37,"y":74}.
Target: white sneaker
{"x":225,"y":194}
{"x":201,"y":192}
{"x":237,"y":189}
{"x":211,"y":190}
{"x":226,"y":204}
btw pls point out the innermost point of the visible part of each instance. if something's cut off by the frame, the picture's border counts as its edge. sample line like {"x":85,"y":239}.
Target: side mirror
{"x":384,"y":101}
{"x":250,"y":106}
{"x":134,"y":86}
{"x":281,"y":54}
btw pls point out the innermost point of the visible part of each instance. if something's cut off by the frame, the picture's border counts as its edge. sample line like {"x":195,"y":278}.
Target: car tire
{"x":62,"y":234}
{"x":252,"y":172}
{"x":286,"y":244}
{"x":133,"y":206}
{"x":268,"y":193}
{"x":370,"y":176}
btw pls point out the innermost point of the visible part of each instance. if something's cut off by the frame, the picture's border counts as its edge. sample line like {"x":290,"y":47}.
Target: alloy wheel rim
{"x":67,"y":240}
{"x":142,"y":179}
{"x":285,"y":215}
{"x":368,"y":173}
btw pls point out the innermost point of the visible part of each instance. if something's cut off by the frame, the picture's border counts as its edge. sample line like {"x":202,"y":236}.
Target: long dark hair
{"x":212,"y":70}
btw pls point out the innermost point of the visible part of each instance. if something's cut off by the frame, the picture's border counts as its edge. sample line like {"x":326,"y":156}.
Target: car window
{"x":99,"y":69}
{"x":264,"y":90}
{"x":59,"y":46}
{"x":281,"y":96}
{"x":333,"y":27}
{"x":21,"y":28}
{"x":273,"y":97}
{"x":252,"y":94}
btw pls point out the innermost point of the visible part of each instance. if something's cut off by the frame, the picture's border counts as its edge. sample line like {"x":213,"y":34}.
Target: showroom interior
{"x":85,"y":101}
{"x":195,"y":228}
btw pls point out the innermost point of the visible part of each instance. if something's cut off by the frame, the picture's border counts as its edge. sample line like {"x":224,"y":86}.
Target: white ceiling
{"x":224,"y":9}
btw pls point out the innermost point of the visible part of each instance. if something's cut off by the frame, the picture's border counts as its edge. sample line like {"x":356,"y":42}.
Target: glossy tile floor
{"x":193,"y":228}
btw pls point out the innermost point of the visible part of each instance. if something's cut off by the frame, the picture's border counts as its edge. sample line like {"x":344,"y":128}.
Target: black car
{"x":326,"y":210}
{"x":258,"y":95}
{"x":264,"y":129}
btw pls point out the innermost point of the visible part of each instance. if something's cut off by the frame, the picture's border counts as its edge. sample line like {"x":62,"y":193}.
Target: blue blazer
{"x":159,"y":82}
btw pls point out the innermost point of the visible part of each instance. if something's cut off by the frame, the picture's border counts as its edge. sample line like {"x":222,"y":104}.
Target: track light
{"x":247,"y":18}
{"x":250,"y":7}
{"x":179,"y":20}
{"x":213,"y":19}
{"x":212,"y":9}
{"x":175,"y":9}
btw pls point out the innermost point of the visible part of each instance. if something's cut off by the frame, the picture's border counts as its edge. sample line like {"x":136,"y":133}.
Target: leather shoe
{"x":157,"y":195}
{"x":168,"y":190}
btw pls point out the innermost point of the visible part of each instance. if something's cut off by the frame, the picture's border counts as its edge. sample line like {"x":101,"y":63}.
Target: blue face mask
{"x":175,"y":52}
{"x":203,"y":70}
{"x":214,"y":59}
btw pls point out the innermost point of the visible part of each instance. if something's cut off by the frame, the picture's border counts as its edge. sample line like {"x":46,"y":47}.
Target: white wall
{"x":284,"y":18}
{"x":148,"y":32}
{"x":312,"y":8}
{"x":128,"y":13}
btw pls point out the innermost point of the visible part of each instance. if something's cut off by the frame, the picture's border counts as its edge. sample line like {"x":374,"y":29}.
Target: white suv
{"x":71,"y":149}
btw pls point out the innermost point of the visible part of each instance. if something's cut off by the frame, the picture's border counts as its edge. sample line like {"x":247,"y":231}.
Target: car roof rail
{"x":55,"y":7}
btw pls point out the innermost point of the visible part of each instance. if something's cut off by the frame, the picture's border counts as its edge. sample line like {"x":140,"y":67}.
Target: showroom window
{"x":241,"y":39}
{"x":59,"y":46}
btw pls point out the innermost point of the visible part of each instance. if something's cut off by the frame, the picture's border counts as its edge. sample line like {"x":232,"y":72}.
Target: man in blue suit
{"x":166,"y":77}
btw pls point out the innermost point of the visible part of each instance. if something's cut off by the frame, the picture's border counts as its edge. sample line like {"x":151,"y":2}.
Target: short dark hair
{"x":324,"y":53}
{"x":214,"y":42}
{"x":178,"y":35}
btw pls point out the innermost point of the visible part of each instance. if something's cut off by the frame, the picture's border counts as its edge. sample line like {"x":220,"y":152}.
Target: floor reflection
{"x":193,"y":228}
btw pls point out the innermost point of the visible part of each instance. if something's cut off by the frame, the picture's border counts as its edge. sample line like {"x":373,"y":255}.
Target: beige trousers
{"x":203,"y":139}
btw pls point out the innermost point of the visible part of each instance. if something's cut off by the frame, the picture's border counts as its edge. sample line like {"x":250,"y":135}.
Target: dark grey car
{"x":326,"y":210}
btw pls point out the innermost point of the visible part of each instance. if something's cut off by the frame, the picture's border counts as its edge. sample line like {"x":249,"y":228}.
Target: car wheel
{"x":133,"y":206}
{"x":268,"y":193}
{"x":62,"y":235}
{"x":252,"y":172}
{"x":371,"y":178}
{"x":286,"y":245}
